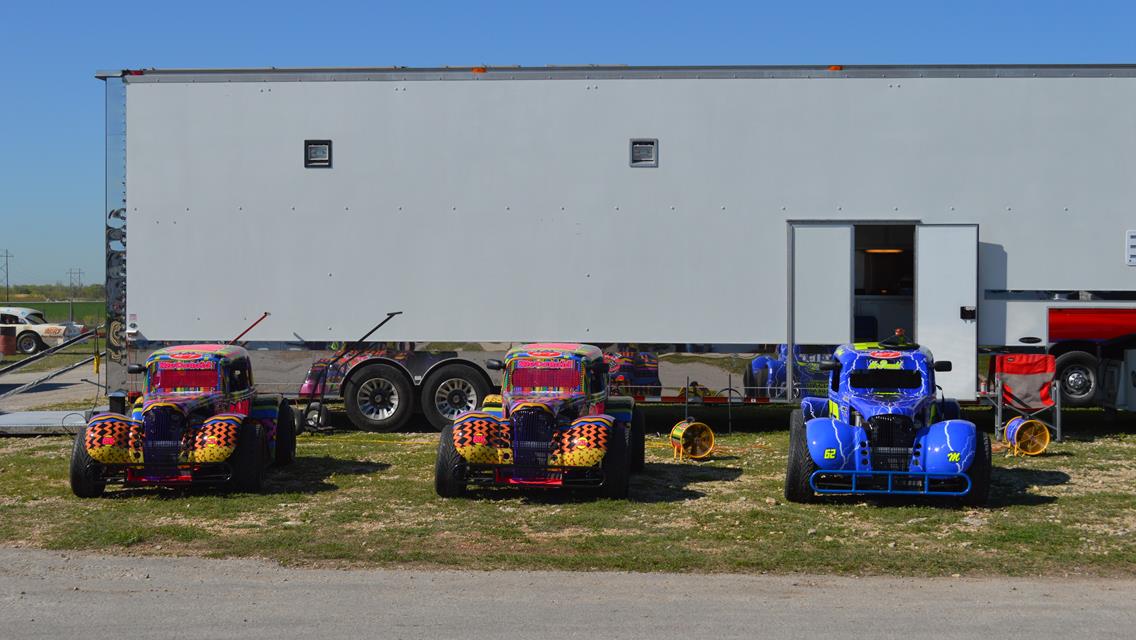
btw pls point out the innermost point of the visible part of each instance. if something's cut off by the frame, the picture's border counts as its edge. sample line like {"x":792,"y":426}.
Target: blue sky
{"x":51,"y":107}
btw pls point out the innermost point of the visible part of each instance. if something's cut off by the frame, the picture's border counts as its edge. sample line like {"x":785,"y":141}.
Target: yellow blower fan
{"x":691,"y":439}
{"x":1027,"y":437}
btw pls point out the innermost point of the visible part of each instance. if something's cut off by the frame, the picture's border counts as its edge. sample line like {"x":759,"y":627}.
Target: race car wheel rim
{"x":1078,"y":381}
{"x":26,"y":343}
{"x":455,"y":396}
{"x":378,"y":399}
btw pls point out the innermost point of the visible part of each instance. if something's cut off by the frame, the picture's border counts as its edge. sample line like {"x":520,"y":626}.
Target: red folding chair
{"x":1026,"y":384}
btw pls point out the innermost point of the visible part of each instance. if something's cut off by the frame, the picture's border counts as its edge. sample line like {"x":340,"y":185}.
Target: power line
{"x":6,"y":255}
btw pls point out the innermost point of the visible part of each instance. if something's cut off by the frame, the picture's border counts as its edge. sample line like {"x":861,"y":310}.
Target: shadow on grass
{"x":1010,"y":486}
{"x":306,"y":475}
{"x":659,"y":482}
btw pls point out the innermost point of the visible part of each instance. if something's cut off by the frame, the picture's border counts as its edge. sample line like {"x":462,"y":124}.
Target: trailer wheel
{"x":314,"y":418}
{"x":28,"y":343}
{"x":285,"y":436}
{"x":451,"y":390}
{"x":378,"y":398}
{"x":86,"y":475}
{"x":615,"y":467}
{"x":1077,"y":372}
{"x":637,"y":441}
{"x":980,"y":471}
{"x":800,"y":465}
{"x":247,"y":461}
{"x":449,"y":466}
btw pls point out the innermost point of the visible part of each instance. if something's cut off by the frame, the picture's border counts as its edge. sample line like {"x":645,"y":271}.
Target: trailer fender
{"x":832,"y":443}
{"x":946,"y":447}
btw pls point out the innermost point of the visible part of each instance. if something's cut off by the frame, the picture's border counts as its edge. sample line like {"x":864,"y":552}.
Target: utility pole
{"x":6,"y":255}
{"x":75,"y":277}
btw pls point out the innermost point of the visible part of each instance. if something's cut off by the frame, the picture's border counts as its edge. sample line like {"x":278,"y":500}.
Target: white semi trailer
{"x":608,"y":204}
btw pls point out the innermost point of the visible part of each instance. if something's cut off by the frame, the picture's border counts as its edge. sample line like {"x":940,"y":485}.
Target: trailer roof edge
{"x":269,"y":74}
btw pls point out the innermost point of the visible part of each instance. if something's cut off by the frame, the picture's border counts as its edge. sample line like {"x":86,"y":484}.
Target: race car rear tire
{"x":980,"y":471}
{"x":247,"y":461}
{"x":449,"y":467}
{"x":378,"y":398}
{"x":86,"y":474}
{"x":637,"y":441}
{"x":28,"y":343}
{"x":285,"y":436}
{"x":615,"y":467}
{"x":800,"y":464}
{"x":461,"y":388}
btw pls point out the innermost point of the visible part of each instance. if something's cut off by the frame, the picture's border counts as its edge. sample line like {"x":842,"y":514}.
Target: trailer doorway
{"x":883,"y":281}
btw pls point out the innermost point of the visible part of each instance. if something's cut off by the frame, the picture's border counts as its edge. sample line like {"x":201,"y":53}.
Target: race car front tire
{"x":980,"y":471}
{"x":449,"y":467}
{"x":285,"y":435}
{"x":86,"y":474}
{"x":800,"y":465}
{"x":247,"y":461}
{"x":28,"y":343}
{"x":615,"y":467}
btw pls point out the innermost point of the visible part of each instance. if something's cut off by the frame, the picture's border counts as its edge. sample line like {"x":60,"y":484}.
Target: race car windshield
{"x":885,"y":379}
{"x":174,"y":379}
{"x":35,"y":318}
{"x":539,"y":378}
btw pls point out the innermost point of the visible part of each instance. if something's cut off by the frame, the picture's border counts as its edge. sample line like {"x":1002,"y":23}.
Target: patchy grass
{"x":92,"y":402}
{"x":59,"y":359}
{"x":359,"y":499}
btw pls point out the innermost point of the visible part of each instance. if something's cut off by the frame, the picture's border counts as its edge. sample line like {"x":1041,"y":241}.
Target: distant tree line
{"x":57,"y":291}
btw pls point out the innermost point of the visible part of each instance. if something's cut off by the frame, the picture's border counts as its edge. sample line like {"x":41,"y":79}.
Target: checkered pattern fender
{"x":216,"y":439}
{"x":584,"y":443}
{"x":114,"y":439}
{"x":482,"y":438}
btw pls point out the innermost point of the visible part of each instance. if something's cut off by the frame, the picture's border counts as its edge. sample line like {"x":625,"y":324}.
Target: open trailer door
{"x":946,"y":302}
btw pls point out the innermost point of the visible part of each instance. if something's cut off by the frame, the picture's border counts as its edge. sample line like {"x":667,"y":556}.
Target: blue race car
{"x":881,"y":430}
{"x":765,"y":376}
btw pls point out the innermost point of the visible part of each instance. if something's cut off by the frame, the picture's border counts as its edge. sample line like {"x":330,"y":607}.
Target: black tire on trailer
{"x":449,"y":467}
{"x":980,"y":471}
{"x":616,"y":481}
{"x":247,"y":461}
{"x":800,"y":466}
{"x":285,"y":436}
{"x":378,"y":398}
{"x":86,"y":474}
{"x":313,"y":417}
{"x":637,"y":441}
{"x":450,"y":390}
{"x":1077,"y":372}
{"x":28,"y":343}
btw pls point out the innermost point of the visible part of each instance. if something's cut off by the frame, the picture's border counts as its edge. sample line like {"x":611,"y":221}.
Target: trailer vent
{"x":1130,"y":248}
{"x":317,"y":153}
{"x":644,"y":152}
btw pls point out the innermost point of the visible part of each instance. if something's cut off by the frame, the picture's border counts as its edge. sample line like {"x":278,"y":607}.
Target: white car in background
{"x":33,"y":332}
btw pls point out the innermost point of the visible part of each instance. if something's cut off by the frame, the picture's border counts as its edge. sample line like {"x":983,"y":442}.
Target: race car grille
{"x":891,"y":458}
{"x":162,"y":431}
{"x":891,"y":430}
{"x":532,"y":437}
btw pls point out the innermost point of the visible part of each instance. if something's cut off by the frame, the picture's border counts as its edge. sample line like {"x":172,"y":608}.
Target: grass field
{"x":359,"y":499}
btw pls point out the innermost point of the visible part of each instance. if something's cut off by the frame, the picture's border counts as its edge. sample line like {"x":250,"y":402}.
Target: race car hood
{"x":561,"y":404}
{"x":871,"y":405}
{"x":184,"y":402}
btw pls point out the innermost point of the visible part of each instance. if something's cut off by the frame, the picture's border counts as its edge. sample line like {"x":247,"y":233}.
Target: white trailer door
{"x":821,"y":309}
{"x":946,"y":302}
